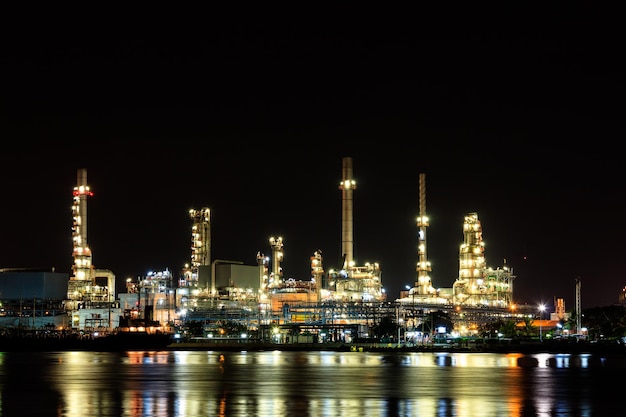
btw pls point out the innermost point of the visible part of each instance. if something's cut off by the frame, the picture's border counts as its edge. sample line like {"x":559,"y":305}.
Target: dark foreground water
{"x":194,"y":383}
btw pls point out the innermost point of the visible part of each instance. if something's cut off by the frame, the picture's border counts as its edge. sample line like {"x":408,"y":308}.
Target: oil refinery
{"x":333,"y":304}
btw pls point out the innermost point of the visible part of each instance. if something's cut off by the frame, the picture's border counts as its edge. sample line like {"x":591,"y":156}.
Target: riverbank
{"x":524,"y":348}
{"x":42,"y":341}
{"x":136,"y":341}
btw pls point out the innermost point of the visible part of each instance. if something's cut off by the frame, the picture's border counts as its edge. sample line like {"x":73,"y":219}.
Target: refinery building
{"x":257,"y":295}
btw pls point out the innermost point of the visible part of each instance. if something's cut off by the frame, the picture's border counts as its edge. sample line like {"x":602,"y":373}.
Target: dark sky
{"x":521,"y":123}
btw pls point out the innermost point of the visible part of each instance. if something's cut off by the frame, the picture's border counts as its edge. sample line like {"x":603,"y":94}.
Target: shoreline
{"x":137,"y":341}
{"x":522,"y":348}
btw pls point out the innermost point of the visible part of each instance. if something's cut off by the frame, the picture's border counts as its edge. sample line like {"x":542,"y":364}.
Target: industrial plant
{"x":339,"y":303}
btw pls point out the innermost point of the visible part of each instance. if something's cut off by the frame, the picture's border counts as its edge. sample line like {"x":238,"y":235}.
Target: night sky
{"x":521,"y":123}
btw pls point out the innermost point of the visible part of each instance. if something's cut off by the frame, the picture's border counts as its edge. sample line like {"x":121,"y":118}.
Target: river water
{"x":277,"y":383}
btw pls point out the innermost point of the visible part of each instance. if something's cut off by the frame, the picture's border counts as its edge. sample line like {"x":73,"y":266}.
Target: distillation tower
{"x":354,"y":283}
{"x":478,"y":285}
{"x":276,"y":277}
{"x":317,"y":273}
{"x":82,"y":267}
{"x":469,"y":287}
{"x":200,"y":249}
{"x":423,"y":285}
{"x":262,"y":262}
{"x":83,"y":289}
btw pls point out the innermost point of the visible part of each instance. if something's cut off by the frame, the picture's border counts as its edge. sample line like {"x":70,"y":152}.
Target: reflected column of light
{"x":80,"y":404}
{"x":474,"y":376}
{"x":543,"y":396}
{"x":136,"y":397}
{"x":471,"y":407}
{"x":423,"y":400}
{"x":514,"y":392}
{"x":355,"y":407}
{"x":544,"y":384}
{"x":213,"y":400}
{"x":77,"y":401}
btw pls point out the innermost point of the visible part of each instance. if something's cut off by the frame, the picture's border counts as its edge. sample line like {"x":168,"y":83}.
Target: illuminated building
{"x":353,"y":283}
{"x":90,"y":291}
{"x":206,"y":288}
{"x":196,"y":274}
{"x":478,"y":285}
{"x":423,"y":288}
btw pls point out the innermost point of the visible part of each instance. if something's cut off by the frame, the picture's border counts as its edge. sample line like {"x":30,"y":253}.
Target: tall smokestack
{"x":81,"y":252}
{"x":82,"y":191}
{"x":423,"y":285}
{"x":346,"y":186}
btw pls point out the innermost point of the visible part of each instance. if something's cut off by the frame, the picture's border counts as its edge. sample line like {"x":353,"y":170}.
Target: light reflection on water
{"x":275,"y":383}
